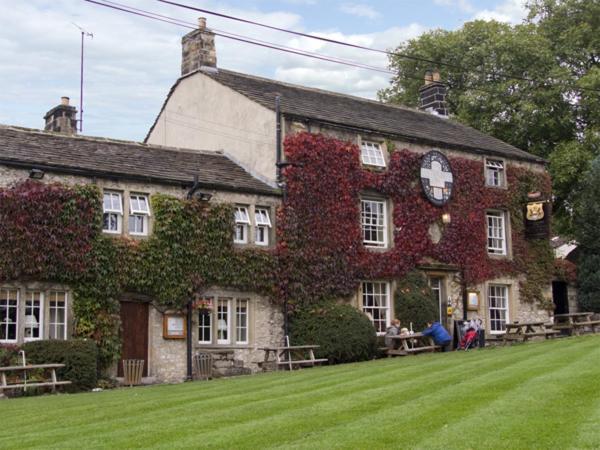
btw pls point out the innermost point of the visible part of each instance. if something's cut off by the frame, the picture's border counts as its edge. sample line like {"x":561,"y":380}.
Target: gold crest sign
{"x":535,"y":211}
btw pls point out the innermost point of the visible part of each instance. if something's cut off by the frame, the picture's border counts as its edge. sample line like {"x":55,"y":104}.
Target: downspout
{"x":188,"y":334}
{"x":281,"y":184}
{"x":278,"y":138}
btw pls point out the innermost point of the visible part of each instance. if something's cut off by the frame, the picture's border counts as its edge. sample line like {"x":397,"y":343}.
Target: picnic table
{"x":25,"y":370}
{"x":522,"y":331}
{"x":575,"y":323}
{"x":290,"y":356}
{"x":410,"y":344}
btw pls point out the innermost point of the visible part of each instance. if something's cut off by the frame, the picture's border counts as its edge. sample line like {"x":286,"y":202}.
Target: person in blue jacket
{"x":439,"y":334}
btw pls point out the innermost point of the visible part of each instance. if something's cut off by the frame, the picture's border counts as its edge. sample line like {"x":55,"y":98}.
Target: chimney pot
{"x":202,"y":23}
{"x":428,"y":77}
{"x":64,"y":101}
{"x":62,"y":118}
{"x":436,"y":75}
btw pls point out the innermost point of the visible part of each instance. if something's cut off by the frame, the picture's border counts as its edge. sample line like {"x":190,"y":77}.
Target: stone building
{"x":216,"y":108}
{"x":129,"y":174}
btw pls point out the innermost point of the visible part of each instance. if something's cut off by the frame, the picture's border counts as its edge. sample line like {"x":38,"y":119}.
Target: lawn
{"x":536,"y":395}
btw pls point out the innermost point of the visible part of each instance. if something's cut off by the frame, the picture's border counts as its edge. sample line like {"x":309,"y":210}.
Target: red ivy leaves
{"x":47,"y":231}
{"x":320,"y":242}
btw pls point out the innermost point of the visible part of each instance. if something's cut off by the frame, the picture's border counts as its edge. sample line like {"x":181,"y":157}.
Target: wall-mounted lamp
{"x":446,"y":218}
{"x":203,"y":196}
{"x":36,"y":174}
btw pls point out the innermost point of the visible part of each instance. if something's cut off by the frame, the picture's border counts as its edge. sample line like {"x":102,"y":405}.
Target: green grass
{"x":538,"y":395}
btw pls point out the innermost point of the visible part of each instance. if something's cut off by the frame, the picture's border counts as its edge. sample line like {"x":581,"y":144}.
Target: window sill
{"x":499,"y":256}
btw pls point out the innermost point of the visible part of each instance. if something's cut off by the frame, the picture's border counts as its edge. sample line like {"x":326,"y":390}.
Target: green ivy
{"x":52,"y":227}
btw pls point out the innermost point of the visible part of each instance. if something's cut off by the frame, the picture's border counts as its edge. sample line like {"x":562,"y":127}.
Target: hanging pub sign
{"x":537,"y":217}
{"x":436,"y":178}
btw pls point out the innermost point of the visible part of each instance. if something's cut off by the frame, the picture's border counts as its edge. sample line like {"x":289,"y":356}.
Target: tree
{"x":587,"y":222}
{"x":534,"y":85}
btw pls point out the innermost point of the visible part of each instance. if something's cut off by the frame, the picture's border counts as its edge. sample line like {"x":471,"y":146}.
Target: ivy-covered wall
{"x":52,"y":232}
{"x":320,"y":235}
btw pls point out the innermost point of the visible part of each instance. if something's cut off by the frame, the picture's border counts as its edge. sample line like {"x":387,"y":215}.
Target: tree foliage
{"x":587,"y":221}
{"x":535,"y":85}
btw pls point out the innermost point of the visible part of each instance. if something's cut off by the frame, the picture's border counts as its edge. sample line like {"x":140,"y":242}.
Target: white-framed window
{"x":57,"y":315}
{"x":374,"y":222}
{"x":223,"y":321}
{"x":226,"y":323}
{"x":34,"y":316}
{"x":112,"y":212}
{"x":376,"y":304}
{"x":436,"y":284}
{"x":242,"y":224}
{"x":205,"y":326}
{"x":262,"y":222}
{"x":496,"y":232}
{"x":498,"y":307}
{"x":9,"y":315}
{"x":139,"y":214}
{"x":494,"y":173}
{"x":241,"y":321}
{"x":371,"y":154}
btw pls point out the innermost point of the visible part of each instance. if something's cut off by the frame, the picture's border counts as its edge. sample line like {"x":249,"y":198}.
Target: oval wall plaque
{"x":436,"y":178}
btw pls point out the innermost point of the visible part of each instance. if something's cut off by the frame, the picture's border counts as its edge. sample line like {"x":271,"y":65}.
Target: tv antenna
{"x":84,"y":34}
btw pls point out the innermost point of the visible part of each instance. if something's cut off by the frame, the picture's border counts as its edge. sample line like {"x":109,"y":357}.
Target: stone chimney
{"x":198,"y":49}
{"x":432,"y":95}
{"x":62,"y":118}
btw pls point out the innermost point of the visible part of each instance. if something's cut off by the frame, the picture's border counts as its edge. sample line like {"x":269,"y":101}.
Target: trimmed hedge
{"x":80,"y":357}
{"x":415,"y":302}
{"x":344,"y":333}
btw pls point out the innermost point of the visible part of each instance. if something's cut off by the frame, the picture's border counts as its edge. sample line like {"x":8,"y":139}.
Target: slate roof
{"x":92,"y":156}
{"x":355,"y":112}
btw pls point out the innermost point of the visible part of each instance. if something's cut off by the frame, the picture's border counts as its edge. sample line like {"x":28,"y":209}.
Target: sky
{"x":131,"y":62}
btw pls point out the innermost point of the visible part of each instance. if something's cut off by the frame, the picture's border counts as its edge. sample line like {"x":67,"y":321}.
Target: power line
{"x":189,"y":25}
{"x":240,"y":38}
{"x":361,"y":47}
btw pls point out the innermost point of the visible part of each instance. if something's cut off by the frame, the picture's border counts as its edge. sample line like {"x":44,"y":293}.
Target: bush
{"x":415,"y":302}
{"x":80,"y":357}
{"x":344,"y":333}
{"x":9,"y":355}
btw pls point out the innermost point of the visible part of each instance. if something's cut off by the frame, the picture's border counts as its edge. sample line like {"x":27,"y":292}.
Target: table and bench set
{"x":563,"y":324}
{"x":21,"y":382}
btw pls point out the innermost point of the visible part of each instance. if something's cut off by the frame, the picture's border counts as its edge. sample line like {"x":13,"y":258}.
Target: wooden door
{"x":134,"y":333}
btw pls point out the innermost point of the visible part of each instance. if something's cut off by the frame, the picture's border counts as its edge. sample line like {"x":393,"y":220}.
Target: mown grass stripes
{"x":537,"y":395}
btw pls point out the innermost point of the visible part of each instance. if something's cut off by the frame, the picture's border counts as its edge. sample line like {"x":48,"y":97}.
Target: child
{"x":392,"y":330}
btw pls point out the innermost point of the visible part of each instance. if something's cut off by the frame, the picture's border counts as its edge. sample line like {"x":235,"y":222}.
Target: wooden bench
{"x":575,"y":323}
{"x":295,"y":356}
{"x":523,"y":331}
{"x":23,"y":384}
{"x":411,"y":344}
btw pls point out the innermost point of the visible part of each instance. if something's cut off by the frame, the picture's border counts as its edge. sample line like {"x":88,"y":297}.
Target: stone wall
{"x":166,"y":357}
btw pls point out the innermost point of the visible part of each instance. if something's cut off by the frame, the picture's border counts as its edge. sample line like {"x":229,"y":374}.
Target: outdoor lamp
{"x":446,"y":218}
{"x":36,"y":174}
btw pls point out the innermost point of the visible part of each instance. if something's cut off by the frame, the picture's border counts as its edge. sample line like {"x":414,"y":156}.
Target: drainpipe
{"x":189,"y":340}
{"x":278,"y":137}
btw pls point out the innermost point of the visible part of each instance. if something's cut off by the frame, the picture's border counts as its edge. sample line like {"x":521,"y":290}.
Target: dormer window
{"x":112,"y":212}
{"x":242,"y":223}
{"x":263,"y":224}
{"x":371,"y":154}
{"x":494,"y":173}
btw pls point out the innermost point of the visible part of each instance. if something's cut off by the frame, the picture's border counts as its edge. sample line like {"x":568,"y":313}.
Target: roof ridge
{"x":142,"y":145}
{"x":319,"y":90}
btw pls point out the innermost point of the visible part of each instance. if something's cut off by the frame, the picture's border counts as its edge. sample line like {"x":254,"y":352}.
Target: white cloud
{"x":511,"y":11}
{"x":132,"y":62}
{"x":462,"y":5}
{"x":360,"y":10}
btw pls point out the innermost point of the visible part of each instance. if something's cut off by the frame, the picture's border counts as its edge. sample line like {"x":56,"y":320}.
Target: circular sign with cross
{"x":436,"y":178}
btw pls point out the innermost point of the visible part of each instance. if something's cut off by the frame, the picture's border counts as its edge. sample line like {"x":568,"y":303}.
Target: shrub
{"x":343,"y":333}
{"x":80,"y":357}
{"x":9,"y":355}
{"x":415,"y":302}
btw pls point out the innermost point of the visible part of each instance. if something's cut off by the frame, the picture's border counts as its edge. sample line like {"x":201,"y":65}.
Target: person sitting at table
{"x":439,"y":334}
{"x":392,"y":330}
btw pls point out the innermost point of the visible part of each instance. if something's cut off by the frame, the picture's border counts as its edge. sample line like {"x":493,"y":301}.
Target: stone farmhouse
{"x":213,"y":108}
